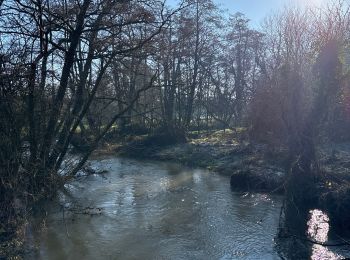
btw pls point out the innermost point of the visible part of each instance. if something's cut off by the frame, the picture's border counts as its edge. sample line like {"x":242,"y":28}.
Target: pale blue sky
{"x":256,"y":10}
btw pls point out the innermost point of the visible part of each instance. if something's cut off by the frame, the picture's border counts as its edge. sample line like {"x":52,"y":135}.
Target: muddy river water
{"x":157,"y":210}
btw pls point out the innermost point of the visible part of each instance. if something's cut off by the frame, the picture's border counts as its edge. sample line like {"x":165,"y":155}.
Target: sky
{"x":256,"y":10}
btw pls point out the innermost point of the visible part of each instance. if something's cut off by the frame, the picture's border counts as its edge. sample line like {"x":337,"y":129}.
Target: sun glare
{"x":313,"y":3}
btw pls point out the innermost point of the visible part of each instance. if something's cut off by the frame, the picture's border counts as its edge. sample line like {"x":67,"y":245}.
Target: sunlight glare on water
{"x":318,"y":229}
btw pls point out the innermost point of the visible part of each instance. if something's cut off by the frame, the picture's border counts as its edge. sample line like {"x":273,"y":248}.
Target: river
{"x":154,"y":210}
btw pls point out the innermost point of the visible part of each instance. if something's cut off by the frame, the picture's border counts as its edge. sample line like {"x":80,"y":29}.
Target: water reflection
{"x":318,"y":229}
{"x":318,"y":226}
